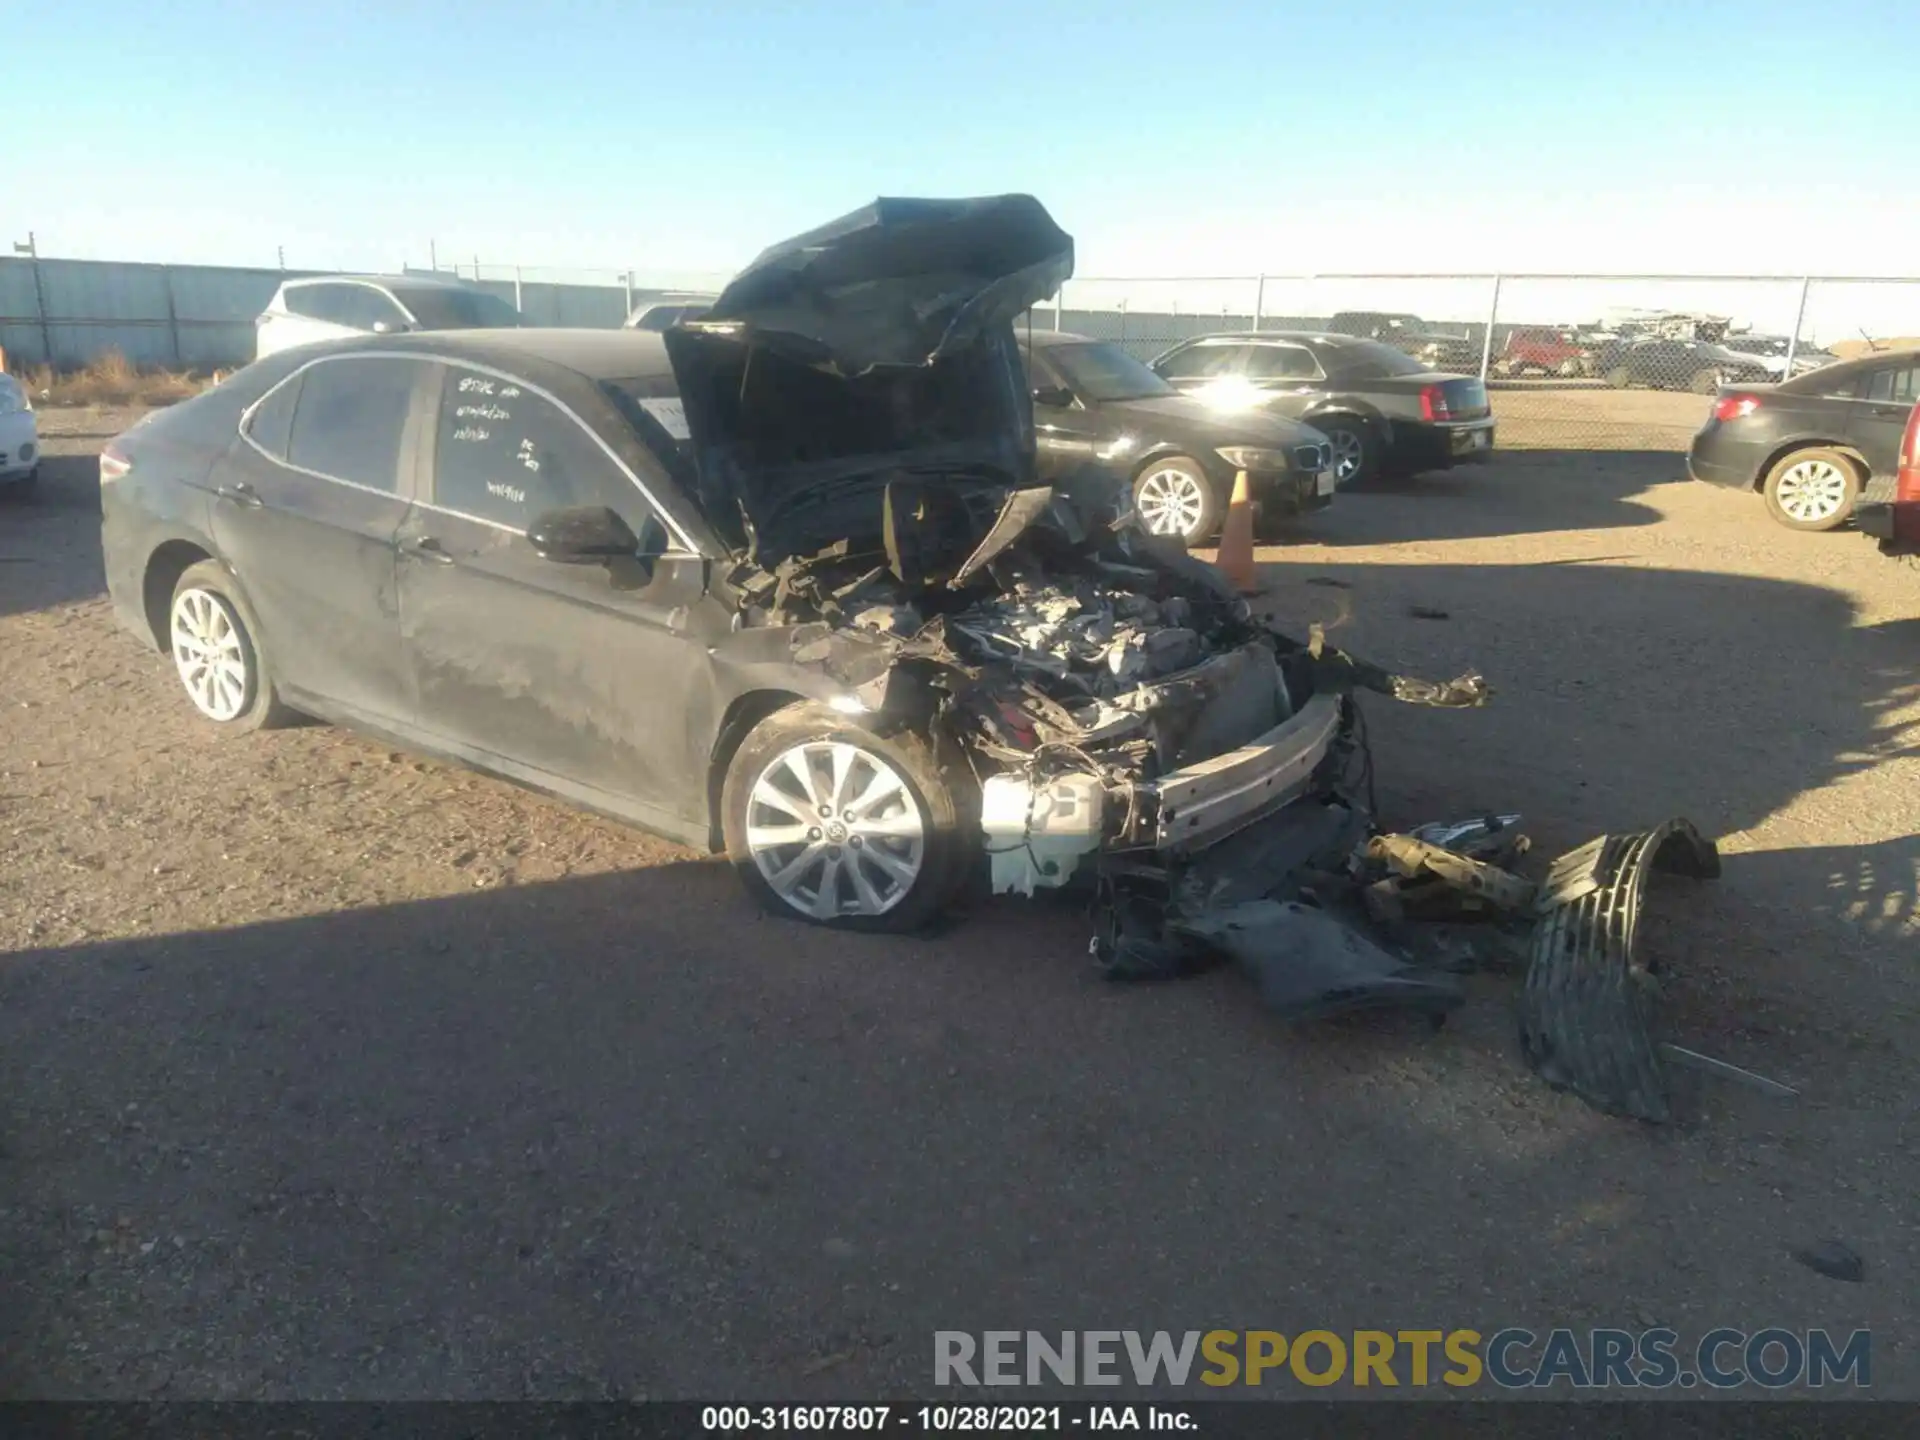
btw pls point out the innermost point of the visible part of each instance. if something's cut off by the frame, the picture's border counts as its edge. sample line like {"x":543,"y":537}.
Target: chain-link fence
{"x":593,"y":298}
{"x":1570,"y":361}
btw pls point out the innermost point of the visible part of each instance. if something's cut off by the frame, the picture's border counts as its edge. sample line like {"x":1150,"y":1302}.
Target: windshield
{"x":1106,"y":373}
{"x":438,"y":308}
{"x":1371,"y":357}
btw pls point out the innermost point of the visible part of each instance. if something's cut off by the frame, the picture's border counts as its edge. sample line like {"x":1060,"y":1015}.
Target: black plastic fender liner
{"x":1587,"y":1007}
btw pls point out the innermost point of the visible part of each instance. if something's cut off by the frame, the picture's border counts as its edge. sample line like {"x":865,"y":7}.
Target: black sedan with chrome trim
{"x":1093,"y":402}
{"x":1383,"y":411}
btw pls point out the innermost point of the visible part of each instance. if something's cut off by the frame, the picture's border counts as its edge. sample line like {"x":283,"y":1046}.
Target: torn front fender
{"x":1587,"y":1011}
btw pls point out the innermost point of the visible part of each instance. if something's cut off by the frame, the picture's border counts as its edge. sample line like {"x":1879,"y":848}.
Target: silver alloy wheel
{"x":835,"y":830}
{"x":207,"y":652}
{"x":1812,"y":491}
{"x":1170,"y":502}
{"x":1347,"y":455}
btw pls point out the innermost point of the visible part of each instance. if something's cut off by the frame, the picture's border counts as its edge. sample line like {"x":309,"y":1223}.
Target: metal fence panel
{"x":1571,"y":361}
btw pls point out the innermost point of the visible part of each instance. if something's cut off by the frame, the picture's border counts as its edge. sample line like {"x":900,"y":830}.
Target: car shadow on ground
{"x":49,"y":554}
{"x":1519,"y":492}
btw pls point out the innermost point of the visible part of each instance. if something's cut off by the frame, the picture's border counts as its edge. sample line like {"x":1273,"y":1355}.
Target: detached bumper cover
{"x":1587,"y":1009}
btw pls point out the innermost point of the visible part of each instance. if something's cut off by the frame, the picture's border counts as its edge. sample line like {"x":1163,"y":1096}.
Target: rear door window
{"x":318,"y":302}
{"x":1891,"y":386}
{"x":507,"y":456}
{"x":350,"y":417}
{"x":1203,"y":362}
{"x":1281,"y":362}
{"x":366,"y":307}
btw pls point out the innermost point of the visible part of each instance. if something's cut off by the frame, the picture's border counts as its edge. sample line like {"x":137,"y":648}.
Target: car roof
{"x":1332,"y":340}
{"x":593,"y":354}
{"x":419,"y":282}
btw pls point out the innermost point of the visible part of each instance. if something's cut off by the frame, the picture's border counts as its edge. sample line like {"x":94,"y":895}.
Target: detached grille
{"x":1313,"y":457}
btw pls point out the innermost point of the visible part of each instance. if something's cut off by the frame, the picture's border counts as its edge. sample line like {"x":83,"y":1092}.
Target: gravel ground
{"x":328,"y":1071}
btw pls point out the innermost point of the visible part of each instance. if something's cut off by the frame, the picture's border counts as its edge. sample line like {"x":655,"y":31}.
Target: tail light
{"x":1735,"y":407}
{"x":1433,"y":404}
{"x":1907,"y":486}
{"x":113,"y":464}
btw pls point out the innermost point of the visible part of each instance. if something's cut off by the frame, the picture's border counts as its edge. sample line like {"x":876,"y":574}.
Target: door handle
{"x":241,"y":494}
{"x":426,"y":548}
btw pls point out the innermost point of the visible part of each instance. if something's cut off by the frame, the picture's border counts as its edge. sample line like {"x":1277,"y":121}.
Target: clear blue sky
{"x":1194,"y":136}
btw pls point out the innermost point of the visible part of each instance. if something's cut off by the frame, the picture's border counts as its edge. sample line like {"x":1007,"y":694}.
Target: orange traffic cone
{"x":1235,"y":555}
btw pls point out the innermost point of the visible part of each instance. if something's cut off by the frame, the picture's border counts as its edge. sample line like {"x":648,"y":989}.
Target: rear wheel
{"x":1704,"y":381}
{"x":213,"y":640}
{"x":1173,"y":497}
{"x":1356,"y":453}
{"x":830,"y":823}
{"x":1812,"y":489}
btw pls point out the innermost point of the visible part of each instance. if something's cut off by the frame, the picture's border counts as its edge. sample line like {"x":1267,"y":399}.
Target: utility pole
{"x":32,"y":251}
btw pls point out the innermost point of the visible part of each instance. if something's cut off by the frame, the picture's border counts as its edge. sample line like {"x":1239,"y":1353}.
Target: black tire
{"x":1344,"y":431}
{"x":1704,"y":381}
{"x":259,"y":706}
{"x":945,"y":810}
{"x":1619,"y":377}
{"x":1175,"y":468}
{"x":1781,"y":478}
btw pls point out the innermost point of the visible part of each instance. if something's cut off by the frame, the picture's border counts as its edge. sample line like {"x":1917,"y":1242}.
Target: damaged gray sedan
{"x":782,"y":582}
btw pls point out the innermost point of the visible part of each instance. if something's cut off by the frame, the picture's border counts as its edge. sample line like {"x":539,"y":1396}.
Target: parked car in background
{"x":1095,"y":404}
{"x":19,"y":438}
{"x":1382,"y":410}
{"x":663,"y":311}
{"x":337,"y":307}
{"x":1895,"y":521}
{"x":1770,"y":351}
{"x":1812,"y":444}
{"x":1537,"y":351}
{"x":1440,"y":346}
{"x":1669,"y":363}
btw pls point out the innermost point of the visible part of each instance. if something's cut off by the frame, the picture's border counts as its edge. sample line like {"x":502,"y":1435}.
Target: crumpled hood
{"x":878,"y":346}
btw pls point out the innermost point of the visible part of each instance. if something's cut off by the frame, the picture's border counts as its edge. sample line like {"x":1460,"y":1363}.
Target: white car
{"x":19,"y":438}
{"x":334,"y":307}
{"x":668,"y":309}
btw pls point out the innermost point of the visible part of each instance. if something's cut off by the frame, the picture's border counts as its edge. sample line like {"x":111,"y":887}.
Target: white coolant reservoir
{"x":1037,"y":833}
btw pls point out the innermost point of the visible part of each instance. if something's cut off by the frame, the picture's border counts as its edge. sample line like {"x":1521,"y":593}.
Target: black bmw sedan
{"x":1094,"y":403}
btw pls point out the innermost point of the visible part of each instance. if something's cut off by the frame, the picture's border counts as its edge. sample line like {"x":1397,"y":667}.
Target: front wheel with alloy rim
{"x":1356,"y":454}
{"x":827,"y":822}
{"x":1812,"y":489}
{"x":216,"y":653}
{"x":1173,"y":497}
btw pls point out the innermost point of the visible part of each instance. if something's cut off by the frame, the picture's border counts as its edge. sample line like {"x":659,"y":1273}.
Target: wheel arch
{"x":1810,"y":442}
{"x":166,"y":563}
{"x":743,"y":713}
{"x":1345,"y":409}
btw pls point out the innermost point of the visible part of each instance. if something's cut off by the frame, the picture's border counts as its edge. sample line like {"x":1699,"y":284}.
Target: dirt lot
{"x":327,"y":1071}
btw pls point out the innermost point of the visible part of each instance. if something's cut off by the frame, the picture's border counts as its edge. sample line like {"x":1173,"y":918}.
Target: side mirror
{"x":1054,"y":397}
{"x":583,"y":535}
